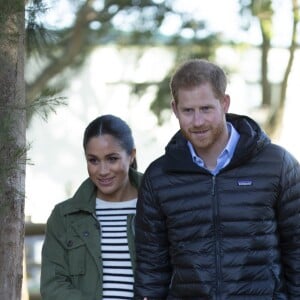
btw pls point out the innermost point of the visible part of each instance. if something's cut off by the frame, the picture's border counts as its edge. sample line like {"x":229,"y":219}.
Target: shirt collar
{"x":225,"y":156}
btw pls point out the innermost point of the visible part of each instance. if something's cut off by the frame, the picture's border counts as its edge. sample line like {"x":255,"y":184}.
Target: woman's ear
{"x":132,"y":155}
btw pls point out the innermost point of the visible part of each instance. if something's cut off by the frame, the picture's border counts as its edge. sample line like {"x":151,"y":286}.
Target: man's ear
{"x":226,"y":103}
{"x":174,"y":108}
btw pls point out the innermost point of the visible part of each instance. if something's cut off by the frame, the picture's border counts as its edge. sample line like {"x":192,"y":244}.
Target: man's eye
{"x":205,"y":108}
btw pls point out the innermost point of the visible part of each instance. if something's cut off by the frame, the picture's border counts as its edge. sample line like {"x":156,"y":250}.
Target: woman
{"x":88,"y":252}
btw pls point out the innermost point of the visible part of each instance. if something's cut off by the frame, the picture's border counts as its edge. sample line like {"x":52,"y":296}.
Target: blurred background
{"x":86,"y":58}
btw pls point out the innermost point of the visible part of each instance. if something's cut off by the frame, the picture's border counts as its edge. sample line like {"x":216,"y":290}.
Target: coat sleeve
{"x":153,"y":271}
{"x":55,"y":278}
{"x":289,"y":224}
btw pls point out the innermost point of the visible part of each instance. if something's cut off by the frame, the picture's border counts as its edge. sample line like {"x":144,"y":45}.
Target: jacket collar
{"x":178,"y":156}
{"x":252,"y":140}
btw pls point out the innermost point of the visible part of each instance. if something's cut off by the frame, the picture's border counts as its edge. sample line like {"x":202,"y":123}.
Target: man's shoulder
{"x":156,"y":165}
{"x":277,"y":151}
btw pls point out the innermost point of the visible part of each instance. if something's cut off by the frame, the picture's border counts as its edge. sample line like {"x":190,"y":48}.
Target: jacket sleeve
{"x":153,"y":271}
{"x":289,"y":225}
{"x":55,"y":278}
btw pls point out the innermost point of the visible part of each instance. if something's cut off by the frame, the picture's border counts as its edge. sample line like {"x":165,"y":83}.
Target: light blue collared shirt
{"x":225,"y":156}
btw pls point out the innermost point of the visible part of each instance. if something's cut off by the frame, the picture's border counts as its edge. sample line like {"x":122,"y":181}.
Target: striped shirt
{"x":117,"y":268}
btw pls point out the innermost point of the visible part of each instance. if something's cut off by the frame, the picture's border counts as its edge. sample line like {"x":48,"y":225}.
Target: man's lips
{"x":199,"y":132}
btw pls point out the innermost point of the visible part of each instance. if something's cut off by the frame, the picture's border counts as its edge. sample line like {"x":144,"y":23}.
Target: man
{"x":218,"y":215}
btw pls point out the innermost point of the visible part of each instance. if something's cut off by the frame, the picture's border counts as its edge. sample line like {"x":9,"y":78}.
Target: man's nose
{"x":198,"y":118}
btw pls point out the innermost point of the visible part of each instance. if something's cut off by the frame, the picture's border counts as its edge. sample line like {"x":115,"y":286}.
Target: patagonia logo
{"x":244,"y":182}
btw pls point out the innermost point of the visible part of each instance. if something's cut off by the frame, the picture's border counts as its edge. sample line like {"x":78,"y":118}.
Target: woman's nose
{"x":103,"y":168}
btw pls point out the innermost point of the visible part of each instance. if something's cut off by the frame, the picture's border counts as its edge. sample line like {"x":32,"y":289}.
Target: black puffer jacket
{"x":232,"y":236}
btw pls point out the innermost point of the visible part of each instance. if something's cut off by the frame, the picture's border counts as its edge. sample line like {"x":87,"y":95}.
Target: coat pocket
{"x":76,"y":252}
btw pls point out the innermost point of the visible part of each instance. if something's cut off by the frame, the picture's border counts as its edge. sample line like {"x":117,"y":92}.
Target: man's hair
{"x":195,"y":72}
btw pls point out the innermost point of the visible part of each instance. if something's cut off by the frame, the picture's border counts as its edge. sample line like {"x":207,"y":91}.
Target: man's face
{"x":201,"y":118}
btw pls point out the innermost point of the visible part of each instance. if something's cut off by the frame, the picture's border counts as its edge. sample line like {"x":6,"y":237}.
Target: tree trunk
{"x":265,"y":83}
{"x":274,"y":124}
{"x":12,"y":148}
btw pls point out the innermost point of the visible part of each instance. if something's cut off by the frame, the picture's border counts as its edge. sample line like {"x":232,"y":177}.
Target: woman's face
{"x":108,"y":165}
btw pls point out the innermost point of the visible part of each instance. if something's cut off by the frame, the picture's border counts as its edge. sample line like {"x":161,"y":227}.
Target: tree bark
{"x":274,"y":124}
{"x":12,"y":147}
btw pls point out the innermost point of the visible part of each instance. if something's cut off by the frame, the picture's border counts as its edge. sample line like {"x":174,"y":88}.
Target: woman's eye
{"x":92,"y":161}
{"x":113,"y":159}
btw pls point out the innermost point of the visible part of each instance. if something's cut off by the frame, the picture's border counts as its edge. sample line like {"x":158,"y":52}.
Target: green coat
{"x":71,"y":255}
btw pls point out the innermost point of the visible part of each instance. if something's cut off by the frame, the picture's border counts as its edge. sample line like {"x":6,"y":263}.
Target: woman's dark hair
{"x":114,"y":126}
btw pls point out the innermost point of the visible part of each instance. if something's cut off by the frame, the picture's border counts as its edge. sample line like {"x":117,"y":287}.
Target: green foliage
{"x":39,"y":39}
{"x":128,"y":23}
{"x":45,"y":104}
{"x":124,"y":23}
{"x":261,"y":9}
{"x":203,"y":48}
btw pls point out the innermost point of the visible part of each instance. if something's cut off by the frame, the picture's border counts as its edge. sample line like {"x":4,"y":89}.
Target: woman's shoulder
{"x":84,"y":191}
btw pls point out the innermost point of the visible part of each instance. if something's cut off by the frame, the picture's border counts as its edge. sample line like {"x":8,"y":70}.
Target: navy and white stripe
{"x":117,"y":268}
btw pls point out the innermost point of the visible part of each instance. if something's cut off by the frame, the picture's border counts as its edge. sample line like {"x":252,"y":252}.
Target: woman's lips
{"x":105,"y":181}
